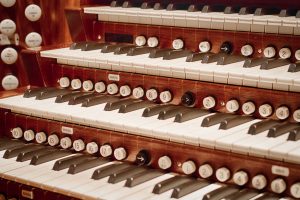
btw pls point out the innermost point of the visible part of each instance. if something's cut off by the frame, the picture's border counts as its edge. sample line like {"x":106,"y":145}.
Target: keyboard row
{"x":231,"y":18}
{"x":233,"y":69}
{"x":89,"y":177}
{"x":240,"y":134}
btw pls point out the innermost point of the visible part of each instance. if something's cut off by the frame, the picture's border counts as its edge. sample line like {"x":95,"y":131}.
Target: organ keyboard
{"x":150,"y":100}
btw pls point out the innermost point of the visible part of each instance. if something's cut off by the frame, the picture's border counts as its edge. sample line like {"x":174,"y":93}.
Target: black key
{"x":77,"y":45}
{"x":253,"y":62}
{"x":39,"y":159}
{"x":111,"y":48}
{"x":51,"y":93}
{"x":169,"y":184}
{"x":216,"y":119}
{"x":294,"y":135}
{"x":212,"y":57}
{"x":287,"y":12}
{"x":294,"y":67}
{"x":80,"y":99}
{"x":233,"y":122}
{"x":177,"y":6}
{"x":187,"y":188}
{"x":262,"y":126}
{"x":230,"y":59}
{"x":246,"y":11}
{"x":142,"y":178}
{"x":191,"y":114}
{"x":68,"y":96}
{"x":268,"y":196}
{"x":298,"y":14}
{"x":24,"y":156}
{"x":32,"y":92}
{"x":274,"y":63}
{"x":194,"y":8}
{"x":10,"y":144}
{"x":117,"y":3}
{"x":177,"y":54}
{"x":266,"y":11}
{"x":147,"y":5}
{"x":125,"y":108}
{"x":281,"y":129}
{"x":13,"y":152}
{"x":157,"y":53}
{"x":90,"y":46}
{"x":123,"y":49}
{"x":159,"y":6}
{"x":167,"y":114}
{"x":139,"y":51}
{"x":231,"y":10}
{"x":242,"y":194}
{"x":99,"y":100}
{"x":85,"y":165}
{"x":109,"y":170}
{"x":195,"y":57}
{"x":155,"y":110}
{"x":126,"y":174}
{"x":129,"y":4}
{"x":117,"y":104}
{"x":220,"y":193}
{"x":66,"y":162}
{"x":212,"y":8}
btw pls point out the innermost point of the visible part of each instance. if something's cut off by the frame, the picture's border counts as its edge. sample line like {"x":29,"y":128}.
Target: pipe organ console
{"x":143,"y":100}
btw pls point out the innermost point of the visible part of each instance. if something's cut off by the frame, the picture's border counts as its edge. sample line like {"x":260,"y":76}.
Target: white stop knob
{"x":66,"y":142}
{"x":7,"y":27}
{"x":240,"y":178}
{"x":10,"y":82}
{"x":64,"y":82}
{"x":164,"y":162}
{"x":188,"y":167}
{"x":112,"y":88}
{"x":33,"y":39}
{"x":140,"y":40}
{"x":247,"y":50}
{"x":269,"y":52}
{"x":297,"y":54}
{"x":100,"y":87}
{"x":76,"y":84}
{"x":248,"y":108}
{"x":106,"y":150}
{"x":53,"y":140}
{"x":165,"y":96}
{"x":259,"y":182}
{"x":152,"y":42}
{"x":278,"y":185}
{"x":285,"y":53}
{"x":206,"y":171}
{"x":138,"y":92}
{"x":87,"y":85}
{"x":125,"y":90}
{"x":295,"y":190}
{"x":204,"y":46}
{"x":120,"y":153}
{"x":177,"y":44}
{"x":79,"y":145}
{"x":92,"y":147}
{"x":232,"y":105}
{"x":282,"y":112}
{"x":33,"y":12}
{"x":40,"y":137}
{"x":8,"y":3}
{"x":265,"y":110}
{"x":223,"y":174}
{"x":9,"y":55}
{"x":209,"y":102}
{"x":17,"y":132}
{"x":296,"y":115}
{"x":151,"y":94}
{"x":29,"y":135}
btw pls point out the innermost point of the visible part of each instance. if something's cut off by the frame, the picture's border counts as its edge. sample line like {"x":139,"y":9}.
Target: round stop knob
{"x":100,"y":87}
{"x":259,"y":182}
{"x":112,"y":88}
{"x":106,"y":150}
{"x":66,"y":143}
{"x":76,"y":84}
{"x":223,"y":174}
{"x":138,"y":92}
{"x":17,"y":132}
{"x":265,"y":110}
{"x":151,"y":94}
{"x":79,"y":145}
{"x":232,"y":105}
{"x":125,"y":90}
{"x":92,"y":147}
{"x":188,"y":99}
{"x":53,"y":140}
{"x":209,"y":102}
{"x":64,"y":82}
{"x":142,"y":158}
{"x":87,"y":85}
{"x":29,"y":135}
{"x":240,"y":178}
{"x":40,"y":137}
{"x":188,"y":167}
{"x":165,"y":96}
{"x":206,"y":171}
{"x":120,"y":153}
{"x":164,"y":162}
{"x":278,"y":185}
